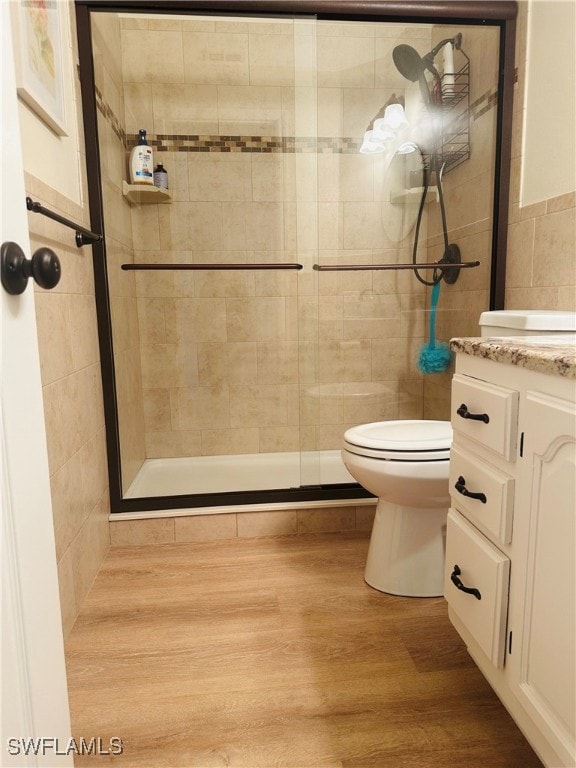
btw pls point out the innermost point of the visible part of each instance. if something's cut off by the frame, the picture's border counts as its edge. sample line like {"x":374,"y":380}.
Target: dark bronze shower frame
{"x":498,"y":13}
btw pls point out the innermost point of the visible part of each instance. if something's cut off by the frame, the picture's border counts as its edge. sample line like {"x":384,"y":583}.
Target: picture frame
{"x":41,"y":38}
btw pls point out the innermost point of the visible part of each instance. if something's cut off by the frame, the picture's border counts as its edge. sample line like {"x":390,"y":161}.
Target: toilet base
{"x":406,"y":554}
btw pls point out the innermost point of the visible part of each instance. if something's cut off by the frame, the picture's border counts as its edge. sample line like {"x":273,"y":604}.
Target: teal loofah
{"x":435,"y":356}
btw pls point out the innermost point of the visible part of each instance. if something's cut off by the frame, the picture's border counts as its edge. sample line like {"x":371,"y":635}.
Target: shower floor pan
{"x":243,"y":472}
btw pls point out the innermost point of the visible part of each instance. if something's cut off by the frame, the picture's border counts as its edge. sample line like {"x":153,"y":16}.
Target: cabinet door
{"x":543,"y":667}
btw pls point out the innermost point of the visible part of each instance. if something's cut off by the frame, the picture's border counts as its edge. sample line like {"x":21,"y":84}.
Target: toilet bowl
{"x":405,"y":464}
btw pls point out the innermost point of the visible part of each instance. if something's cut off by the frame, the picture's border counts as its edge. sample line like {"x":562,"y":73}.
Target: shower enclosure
{"x":257,"y":309}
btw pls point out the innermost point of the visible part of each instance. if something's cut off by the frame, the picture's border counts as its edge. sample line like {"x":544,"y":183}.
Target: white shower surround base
{"x":239,"y":472}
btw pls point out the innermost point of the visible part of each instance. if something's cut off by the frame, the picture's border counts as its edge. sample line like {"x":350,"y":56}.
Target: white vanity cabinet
{"x":511,"y":543}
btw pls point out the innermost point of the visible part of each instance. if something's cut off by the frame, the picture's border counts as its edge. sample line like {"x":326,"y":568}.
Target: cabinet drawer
{"x":482,"y":567}
{"x":486,"y":413}
{"x":482,"y":494}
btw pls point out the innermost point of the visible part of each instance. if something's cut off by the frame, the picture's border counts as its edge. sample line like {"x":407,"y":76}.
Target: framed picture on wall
{"x":41,"y":36}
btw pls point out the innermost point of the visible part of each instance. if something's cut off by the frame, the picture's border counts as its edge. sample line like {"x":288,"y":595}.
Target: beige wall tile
{"x":250,"y":110}
{"x":263,"y":405}
{"x":151,"y":321}
{"x":89,"y":549}
{"x":202,"y":408}
{"x":257,"y":319}
{"x":273,"y":177}
{"x":164,"y":59}
{"x":346,"y":178}
{"x":184,"y":109}
{"x":212,"y":284}
{"x":265,"y":226}
{"x":346,"y":62}
{"x":330,"y":519}
{"x":157,"y":413}
{"x":279,"y":439}
{"x":145,"y":227}
{"x":392,"y":358}
{"x":161,"y":445}
{"x":138,"y":532}
{"x":561,"y":203}
{"x":53,"y":322}
{"x":345,"y":361}
{"x":331,"y":225}
{"x":93,"y":470}
{"x":554,"y":240}
{"x":230,"y":362}
{"x":84,"y":331}
{"x":520,"y":254}
{"x":68,"y":607}
{"x":196,"y":320}
{"x":567,"y":298}
{"x":219,"y":177}
{"x":68,"y":503}
{"x":271,"y":59}
{"x":225,"y":442}
{"x":267,"y":523}
{"x":277,"y":362}
{"x":217,"y":58}
{"x":191,"y":226}
{"x":533,"y":298}
{"x":205,"y":527}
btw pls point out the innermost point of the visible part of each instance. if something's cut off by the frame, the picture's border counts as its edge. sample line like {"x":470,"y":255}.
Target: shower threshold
{"x":239,"y":472}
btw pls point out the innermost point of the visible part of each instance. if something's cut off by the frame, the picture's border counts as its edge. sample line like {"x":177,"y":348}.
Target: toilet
{"x":405,"y":464}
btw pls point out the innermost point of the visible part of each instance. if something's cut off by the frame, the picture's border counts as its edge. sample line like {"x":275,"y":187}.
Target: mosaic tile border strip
{"x":106,"y":110}
{"x":261,"y":144}
{"x":256,"y":144}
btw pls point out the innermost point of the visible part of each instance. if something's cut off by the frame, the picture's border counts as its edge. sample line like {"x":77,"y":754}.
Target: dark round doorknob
{"x":44,"y":267}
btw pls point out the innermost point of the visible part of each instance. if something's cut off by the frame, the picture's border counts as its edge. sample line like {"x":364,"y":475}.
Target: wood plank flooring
{"x":274,"y":653}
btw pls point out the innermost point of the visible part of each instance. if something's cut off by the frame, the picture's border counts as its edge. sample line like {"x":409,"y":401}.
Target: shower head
{"x":412,"y":66}
{"x":408,"y":62}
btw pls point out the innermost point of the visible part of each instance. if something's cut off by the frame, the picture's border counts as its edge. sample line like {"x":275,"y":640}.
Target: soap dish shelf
{"x":142,"y":193}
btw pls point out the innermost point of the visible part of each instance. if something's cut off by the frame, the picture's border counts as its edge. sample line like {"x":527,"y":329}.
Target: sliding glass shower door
{"x":251,"y":318}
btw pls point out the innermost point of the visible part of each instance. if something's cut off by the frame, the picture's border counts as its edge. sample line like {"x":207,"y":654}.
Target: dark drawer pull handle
{"x":465,"y":414}
{"x":458,"y":584}
{"x":460,"y":486}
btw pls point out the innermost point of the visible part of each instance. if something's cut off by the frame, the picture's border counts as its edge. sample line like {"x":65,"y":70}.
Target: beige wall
{"x":541,"y":268}
{"x":70,"y":365}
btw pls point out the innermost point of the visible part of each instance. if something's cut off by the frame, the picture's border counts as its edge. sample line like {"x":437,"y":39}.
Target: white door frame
{"x":34,"y":691}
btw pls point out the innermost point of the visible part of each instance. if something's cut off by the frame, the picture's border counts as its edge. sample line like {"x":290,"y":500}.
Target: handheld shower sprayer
{"x":435,"y":356}
{"x":412,"y":66}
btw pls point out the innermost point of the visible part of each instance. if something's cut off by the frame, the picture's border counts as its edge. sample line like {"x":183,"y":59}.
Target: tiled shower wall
{"x":259,"y":126}
{"x":468,"y":196}
{"x":268,"y":361}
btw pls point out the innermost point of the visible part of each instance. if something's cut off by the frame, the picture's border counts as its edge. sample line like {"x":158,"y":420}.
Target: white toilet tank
{"x":526,"y":322}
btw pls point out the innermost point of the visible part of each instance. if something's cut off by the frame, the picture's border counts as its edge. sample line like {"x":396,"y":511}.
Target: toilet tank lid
{"x":530,"y":319}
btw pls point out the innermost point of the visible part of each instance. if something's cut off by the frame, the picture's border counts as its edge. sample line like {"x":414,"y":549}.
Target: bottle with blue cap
{"x":142,"y":161}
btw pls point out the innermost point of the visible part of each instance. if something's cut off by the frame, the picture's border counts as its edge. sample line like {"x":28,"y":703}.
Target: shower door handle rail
{"x":217,"y":267}
{"x":359,"y":267}
{"x":83,"y":236}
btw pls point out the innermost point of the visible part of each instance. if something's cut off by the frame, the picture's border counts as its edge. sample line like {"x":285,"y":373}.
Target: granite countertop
{"x":547,"y":354}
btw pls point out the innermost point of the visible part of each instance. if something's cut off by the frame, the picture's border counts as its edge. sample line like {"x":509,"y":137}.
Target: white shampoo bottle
{"x":142,"y":162}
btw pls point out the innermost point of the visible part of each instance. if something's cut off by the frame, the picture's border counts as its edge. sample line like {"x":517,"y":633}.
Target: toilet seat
{"x":402,"y":440}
